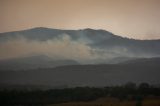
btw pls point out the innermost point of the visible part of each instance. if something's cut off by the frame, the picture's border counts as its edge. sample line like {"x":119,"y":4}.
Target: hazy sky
{"x":131,"y":18}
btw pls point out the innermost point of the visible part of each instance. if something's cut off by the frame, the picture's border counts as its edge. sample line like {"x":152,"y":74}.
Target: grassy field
{"x":113,"y":102}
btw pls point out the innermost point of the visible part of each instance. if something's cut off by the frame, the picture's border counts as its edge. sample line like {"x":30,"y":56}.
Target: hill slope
{"x":87,"y":75}
{"x":33,"y":62}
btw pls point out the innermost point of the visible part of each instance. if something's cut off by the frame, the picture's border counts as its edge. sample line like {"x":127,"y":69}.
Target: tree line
{"x":129,"y":91}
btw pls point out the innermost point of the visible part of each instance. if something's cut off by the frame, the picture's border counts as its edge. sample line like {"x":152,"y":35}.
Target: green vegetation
{"x":128,"y":91}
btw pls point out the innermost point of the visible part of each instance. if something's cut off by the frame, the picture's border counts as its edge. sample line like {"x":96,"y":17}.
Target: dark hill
{"x":88,"y":75}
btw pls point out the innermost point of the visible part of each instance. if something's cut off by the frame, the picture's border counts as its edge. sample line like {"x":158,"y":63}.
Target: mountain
{"x":33,"y":62}
{"x":85,"y":57}
{"x":30,"y":49}
{"x":99,"y":44}
{"x":88,"y":75}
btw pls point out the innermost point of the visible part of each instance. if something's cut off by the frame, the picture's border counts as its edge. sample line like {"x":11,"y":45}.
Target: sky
{"x":139,"y":19}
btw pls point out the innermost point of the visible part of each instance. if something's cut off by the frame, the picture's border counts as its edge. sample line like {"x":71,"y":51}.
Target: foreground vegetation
{"x":126,"y":95}
{"x":109,"y":101}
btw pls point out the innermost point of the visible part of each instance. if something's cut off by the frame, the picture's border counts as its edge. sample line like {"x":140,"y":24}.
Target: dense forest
{"x":129,"y":91}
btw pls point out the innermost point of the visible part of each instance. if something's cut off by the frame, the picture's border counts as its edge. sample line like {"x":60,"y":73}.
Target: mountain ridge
{"x":47,"y":28}
{"x":100,"y":45}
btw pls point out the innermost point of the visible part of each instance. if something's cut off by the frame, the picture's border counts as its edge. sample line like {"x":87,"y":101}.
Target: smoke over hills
{"x":83,"y":46}
{"x":62,"y":57}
